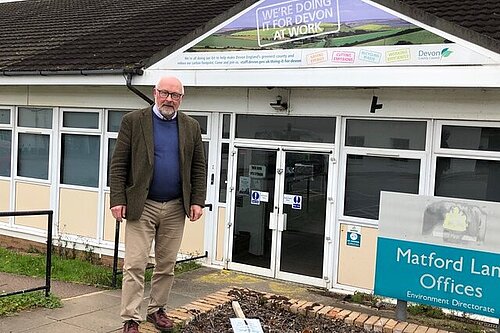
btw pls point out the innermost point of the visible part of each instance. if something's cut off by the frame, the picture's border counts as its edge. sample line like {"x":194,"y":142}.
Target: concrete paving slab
{"x":26,"y":320}
{"x":57,"y":327}
{"x":84,"y":304}
{"x":98,"y":321}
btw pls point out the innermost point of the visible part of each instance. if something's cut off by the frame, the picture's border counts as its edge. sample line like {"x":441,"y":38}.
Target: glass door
{"x":280,"y":213}
{"x":254,"y":202}
{"x":303,"y":201}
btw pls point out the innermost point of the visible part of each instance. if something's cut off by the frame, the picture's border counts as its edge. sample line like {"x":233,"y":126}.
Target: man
{"x":157,"y":177}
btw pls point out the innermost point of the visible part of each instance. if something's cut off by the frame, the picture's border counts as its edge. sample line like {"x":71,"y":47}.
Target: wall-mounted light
{"x":279,"y":105}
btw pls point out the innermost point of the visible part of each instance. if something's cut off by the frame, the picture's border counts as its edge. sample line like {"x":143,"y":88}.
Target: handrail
{"x":48,"y":261}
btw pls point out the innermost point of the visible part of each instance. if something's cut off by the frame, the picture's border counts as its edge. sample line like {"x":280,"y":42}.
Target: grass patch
{"x":70,"y":270}
{"x":12,"y":304}
{"x":426,"y":311}
{"x":77,"y":270}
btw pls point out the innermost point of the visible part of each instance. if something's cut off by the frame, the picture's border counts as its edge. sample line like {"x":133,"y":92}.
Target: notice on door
{"x":259,"y":196}
{"x":257,"y":171}
{"x":294,"y":200}
{"x":354,"y":236}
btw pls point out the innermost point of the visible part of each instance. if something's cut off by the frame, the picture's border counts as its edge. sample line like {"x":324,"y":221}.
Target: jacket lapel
{"x":181,"y":123}
{"x":147,"y":132}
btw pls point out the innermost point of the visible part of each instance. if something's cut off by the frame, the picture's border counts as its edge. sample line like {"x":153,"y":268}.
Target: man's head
{"x":168,"y":94}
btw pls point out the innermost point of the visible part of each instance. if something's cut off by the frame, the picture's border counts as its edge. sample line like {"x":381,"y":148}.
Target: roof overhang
{"x":485,"y":76}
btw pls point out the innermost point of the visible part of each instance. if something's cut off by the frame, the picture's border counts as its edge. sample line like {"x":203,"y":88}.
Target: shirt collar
{"x":158,"y":113}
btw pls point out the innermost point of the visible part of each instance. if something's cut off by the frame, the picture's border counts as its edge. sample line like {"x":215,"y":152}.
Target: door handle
{"x":273,"y":223}
{"x":283,"y":221}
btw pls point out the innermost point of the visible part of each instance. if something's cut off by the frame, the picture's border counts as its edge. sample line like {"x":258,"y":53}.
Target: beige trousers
{"x":163,"y":223}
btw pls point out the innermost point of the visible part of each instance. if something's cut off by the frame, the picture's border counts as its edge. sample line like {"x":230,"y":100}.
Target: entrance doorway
{"x":280,"y":212}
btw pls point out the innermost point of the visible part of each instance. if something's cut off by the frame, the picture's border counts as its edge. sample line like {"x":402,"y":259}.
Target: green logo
{"x":445,"y":52}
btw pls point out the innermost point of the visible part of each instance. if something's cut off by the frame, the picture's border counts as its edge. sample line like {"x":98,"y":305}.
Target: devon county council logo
{"x":434,"y":54}
{"x":446,"y":52}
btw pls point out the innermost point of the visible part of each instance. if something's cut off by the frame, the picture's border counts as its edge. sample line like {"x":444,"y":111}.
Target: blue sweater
{"x":166,"y":184}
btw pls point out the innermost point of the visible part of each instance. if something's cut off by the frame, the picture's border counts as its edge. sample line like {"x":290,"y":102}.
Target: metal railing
{"x":48,"y":260}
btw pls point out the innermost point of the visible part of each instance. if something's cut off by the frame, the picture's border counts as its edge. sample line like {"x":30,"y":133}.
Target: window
{"x":224,"y":158}
{"x":35,"y":117}
{"x":80,"y":148}
{"x":5,"y":142}
{"x":467,"y":178}
{"x":470,"y":137}
{"x":5,"y":116}
{"x":386,"y":134}
{"x":286,"y":128}
{"x":468,"y":161}
{"x":33,"y":155}
{"x":366,"y":176}
{"x":381,"y":155}
{"x":114,"y":122}
{"x":225,"y":136}
{"x":203,"y":121}
{"x":81,"y":120}
{"x":33,"y":142}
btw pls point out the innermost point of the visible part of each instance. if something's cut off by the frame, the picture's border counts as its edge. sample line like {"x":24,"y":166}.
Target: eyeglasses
{"x":164,"y":94}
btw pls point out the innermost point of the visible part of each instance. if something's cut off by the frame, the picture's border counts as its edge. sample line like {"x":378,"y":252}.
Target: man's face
{"x":168,"y":96}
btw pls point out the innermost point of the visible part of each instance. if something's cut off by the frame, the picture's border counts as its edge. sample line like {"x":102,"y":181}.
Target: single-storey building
{"x":309,"y":108}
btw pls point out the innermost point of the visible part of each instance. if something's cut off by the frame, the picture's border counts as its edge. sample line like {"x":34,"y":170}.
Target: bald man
{"x":157,"y":178}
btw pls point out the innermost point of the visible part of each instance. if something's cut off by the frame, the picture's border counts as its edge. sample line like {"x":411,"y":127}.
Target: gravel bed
{"x":273,"y":318}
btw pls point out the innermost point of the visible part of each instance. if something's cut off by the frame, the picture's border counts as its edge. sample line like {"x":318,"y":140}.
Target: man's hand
{"x":195,"y":212}
{"x":119,"y":212}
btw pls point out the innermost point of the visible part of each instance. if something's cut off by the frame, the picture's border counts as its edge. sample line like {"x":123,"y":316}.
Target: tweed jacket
{"x":131,"y":169}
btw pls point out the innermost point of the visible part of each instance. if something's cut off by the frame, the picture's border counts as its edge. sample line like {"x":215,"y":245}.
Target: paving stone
{"x":313,"y":311}
{"x":324,"y":311}
{"x":370,"y":322}
{"x":303,"y":308}
{"x":399,"y":328}
{"x":379,"y":324}
{"x":352,"y":317}
{"x":360,"y":321}
{"x":411,"y":328}
{"x":333,"y":312}
{"x":421,"y":329}
{"x":295,"y":307}
{"x":343,"y":314}
{"x":389,"y":326}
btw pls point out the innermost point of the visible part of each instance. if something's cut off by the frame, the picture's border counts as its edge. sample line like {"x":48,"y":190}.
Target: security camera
{"x":279,"y":105}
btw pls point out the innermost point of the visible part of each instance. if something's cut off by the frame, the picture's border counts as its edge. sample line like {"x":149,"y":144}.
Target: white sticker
{"x":264,"y":196}
{"x":241,"y":325}
{"x":288,"y":199}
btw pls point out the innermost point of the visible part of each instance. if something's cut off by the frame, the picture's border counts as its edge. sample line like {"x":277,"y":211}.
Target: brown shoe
{"x":160,"y":320}
{"x":130,"y":326}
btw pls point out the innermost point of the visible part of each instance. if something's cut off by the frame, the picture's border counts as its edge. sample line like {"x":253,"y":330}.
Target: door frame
{"x":282,"y":148}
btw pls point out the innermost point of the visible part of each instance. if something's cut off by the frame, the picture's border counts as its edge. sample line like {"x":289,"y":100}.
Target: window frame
{"x":109,"y":135}
{"x":36,"y":131}
{"x":466,"y":154}
{"x":9,"y":127}
{"x":84,"y":132}
{"x":345,"y":151}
